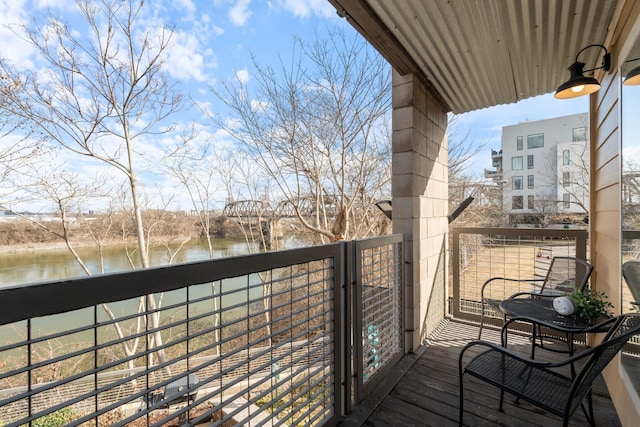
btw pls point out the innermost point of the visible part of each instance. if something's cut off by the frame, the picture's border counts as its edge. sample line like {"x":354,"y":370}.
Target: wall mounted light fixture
{"x":578,"y":84}
{"x":633,"y":77}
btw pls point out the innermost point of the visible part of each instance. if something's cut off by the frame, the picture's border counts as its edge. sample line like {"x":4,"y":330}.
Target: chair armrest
{"x":551,"y":295}
{"x":505,"y":351}
{"x":488,"y":282}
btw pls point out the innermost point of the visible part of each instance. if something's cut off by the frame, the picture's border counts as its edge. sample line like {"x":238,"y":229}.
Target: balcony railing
{"x":291,"y":337}
{"x":488,"y":173}
{"x":519,"y":253}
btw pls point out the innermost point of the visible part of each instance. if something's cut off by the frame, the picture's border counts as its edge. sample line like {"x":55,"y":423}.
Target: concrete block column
{"x":420,"y":201}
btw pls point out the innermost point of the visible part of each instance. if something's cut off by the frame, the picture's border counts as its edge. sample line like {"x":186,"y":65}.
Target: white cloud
{"x":184,"y":60}
{"x":54,"y":4}
{"x":243,"y":76}
{"x":260,"y":106}
{"x":240,"y":13}
{"x":305,"y":8}
{"x":13,"y":47}
{"x":184,"y":5}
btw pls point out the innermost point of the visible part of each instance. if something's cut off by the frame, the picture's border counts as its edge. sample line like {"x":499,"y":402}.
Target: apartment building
{"x":543,"y":168}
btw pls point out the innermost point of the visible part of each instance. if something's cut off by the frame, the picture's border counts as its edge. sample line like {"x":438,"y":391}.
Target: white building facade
{"x":543,"y":167}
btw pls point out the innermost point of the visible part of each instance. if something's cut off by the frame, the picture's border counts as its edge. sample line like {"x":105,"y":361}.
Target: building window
{"x":517,"y":183}
{"x":535,"y":141}
{"x":566,"y":178}
{"x":579,"y":134}
{"x":530,"y":182}
{"x":519,"y":143}
{"x":530,"y":161}
{"x":566,"y":201}
{"x":530,"y":201}
{"x":516,"y":202}
{"x":516,"y":163}
{"x":565,"y":157}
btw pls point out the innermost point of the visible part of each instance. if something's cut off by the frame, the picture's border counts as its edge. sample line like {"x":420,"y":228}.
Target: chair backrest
{"x":623,"y":328}
{"x":631,"y":274}
{"x":566,"y":274}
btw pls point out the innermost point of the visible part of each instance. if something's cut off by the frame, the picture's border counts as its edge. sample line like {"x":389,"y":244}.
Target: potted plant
{"x":591,"y":305}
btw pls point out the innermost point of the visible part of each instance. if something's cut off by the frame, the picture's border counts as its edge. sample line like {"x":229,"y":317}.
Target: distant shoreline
{"x":46,"y":246}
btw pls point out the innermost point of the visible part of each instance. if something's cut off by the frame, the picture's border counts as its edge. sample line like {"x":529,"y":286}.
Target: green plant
{"x":58,"y":418}
{"x":591,"y":304}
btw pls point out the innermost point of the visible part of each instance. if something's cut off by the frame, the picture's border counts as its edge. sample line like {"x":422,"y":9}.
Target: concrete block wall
{"x":420,"y":201}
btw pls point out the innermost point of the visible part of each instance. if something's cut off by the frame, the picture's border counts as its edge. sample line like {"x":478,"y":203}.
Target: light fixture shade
{"x":633,"y":77}
{"x":578,"y":84}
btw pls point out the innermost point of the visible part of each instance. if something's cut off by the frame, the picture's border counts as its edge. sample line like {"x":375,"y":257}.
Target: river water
{"x":18,"y":268}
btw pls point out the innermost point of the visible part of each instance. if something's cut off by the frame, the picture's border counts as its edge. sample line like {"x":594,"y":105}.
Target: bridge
{"x":246,"y":209}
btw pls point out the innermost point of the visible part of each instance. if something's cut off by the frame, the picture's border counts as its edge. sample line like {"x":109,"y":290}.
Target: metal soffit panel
{"x":482,"y":53}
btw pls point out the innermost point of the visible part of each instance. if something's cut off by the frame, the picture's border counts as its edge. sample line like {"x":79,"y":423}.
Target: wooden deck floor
{"x":424,"y":391}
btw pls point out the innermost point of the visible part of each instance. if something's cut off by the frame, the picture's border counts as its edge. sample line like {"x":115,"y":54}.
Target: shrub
{"x":58,"y":418}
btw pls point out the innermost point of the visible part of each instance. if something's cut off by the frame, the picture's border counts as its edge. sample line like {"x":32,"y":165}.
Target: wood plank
{"x":428,"y":392}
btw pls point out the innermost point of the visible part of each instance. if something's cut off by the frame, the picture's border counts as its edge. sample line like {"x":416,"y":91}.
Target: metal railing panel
{"x":258,"y":332}
{"x":630,"y":251}
{"x":519,"y":253}
{"x":262,"y":339}
{"x":378,"y":331}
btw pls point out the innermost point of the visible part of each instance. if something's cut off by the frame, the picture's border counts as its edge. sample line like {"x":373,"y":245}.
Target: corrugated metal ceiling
{"x":482,"y":53}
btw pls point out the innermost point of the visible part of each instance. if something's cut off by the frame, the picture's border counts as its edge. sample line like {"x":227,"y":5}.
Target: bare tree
{"x":199,"y":172}
{"x":17,"y":148}
{"x":204,"y":173}
{"x":68,"y":195}
{"x":486,"y":208}
{"x":14,"y":155}
{"x":65,"y":191}
{"x":99,"y":93}
{"x":319,"y":130}
{"x":574,"y":176}
{"x":631,"y":195}
{"x":463,"y":147}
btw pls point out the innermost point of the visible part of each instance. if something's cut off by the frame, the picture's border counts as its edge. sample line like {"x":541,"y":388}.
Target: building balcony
{"x":311,"y":336}
{"x":493,"y":174}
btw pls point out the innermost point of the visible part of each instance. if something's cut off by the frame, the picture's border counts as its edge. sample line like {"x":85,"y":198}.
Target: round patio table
{"x":540,"y":310}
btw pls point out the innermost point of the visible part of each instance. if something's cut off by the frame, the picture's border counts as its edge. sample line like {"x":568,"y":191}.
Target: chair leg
{"x":461,"y":404}
{"x":481,"y":321}
{"x":592,"y":419}
{"x":588,"y":413}
{"x":534,"y":333}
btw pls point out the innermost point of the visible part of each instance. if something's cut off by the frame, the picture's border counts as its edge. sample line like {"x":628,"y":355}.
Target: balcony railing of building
{"x":291,"y":337}
{"x":494,"y":174}
{"x":520,"y":253}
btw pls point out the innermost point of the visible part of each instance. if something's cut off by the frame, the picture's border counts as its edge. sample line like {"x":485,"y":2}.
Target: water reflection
{"x":45,"y":265}
{"x":32,"y":267}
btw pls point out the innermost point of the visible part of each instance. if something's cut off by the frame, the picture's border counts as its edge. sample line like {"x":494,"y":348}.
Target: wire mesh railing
{"x":248,"y":340}
{"x":379,"y":301}
{"x":631,"y":253}
{"x":255,"y":340}
{"x":518,"y":253}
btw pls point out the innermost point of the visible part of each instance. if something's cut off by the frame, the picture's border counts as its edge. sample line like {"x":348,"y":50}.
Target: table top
{"x":541,"y":309}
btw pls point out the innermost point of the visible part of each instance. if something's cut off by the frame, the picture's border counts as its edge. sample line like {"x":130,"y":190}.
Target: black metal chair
{"x":540,"y":383}
{"x":631,"y":274}
{"x":563,"y":276}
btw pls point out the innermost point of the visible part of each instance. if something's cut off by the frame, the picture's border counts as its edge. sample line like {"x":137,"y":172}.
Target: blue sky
{"x":214,"y":40}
